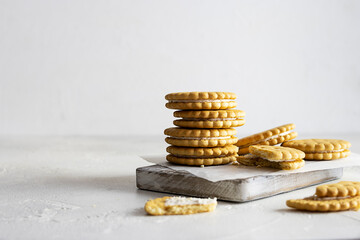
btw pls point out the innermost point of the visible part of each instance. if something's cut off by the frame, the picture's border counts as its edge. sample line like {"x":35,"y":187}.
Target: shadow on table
{"x":123,"y":183}
{"x":294,"y":211}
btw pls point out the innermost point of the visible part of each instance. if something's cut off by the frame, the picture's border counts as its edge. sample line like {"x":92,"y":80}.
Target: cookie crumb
{"x":202,"y":166}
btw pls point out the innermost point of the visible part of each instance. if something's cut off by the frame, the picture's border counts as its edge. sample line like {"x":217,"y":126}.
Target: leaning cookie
{"x":184,"y":137}
{"x":210,"y":119}
{"x":269,"y":137}
{"x":340,"y":189}
{"x":333,"y":197}
{"x":321,"y":149}
{"x":274,"y":157}
{"x":201,"y":100}
{"x":180,"y":205}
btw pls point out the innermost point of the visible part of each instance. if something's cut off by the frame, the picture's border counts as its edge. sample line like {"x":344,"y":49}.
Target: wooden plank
{"x":163,"y":179}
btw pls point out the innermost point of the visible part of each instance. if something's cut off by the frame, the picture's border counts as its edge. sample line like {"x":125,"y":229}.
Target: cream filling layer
{"x":254,"y":156}
{"x":201,"y":138}
{"x":333,"y":151}
{"x":210,"y":119}
{"x":315,"y":198}
{"x":204,"y":100}
{"x":194,"y":156}
{"x":268,"y":139}
{"x":189,"y":201}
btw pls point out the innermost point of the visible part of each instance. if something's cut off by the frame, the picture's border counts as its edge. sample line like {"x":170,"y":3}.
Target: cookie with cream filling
{"x":321,"y":149}
{"x":340,"y":189}
{"x":210,"y":119}
{"x":274,"y":157}
{"x":201,"y":100}
{"x":185,"y":137}
{"x":202,"y":156}
{"x":179,"y":205}
{"x":203,"y":161}
{"x":269,"y":137}
{"x":330,"y":198}
{"x":202,"y":152}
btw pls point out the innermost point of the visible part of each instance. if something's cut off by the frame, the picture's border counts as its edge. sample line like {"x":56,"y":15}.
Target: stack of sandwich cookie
{"x":270,"y":137}
{"x":330,"y":198}
{"x":321,"y":149}
{"x":274,"y":157}
{"x":205,"y":133}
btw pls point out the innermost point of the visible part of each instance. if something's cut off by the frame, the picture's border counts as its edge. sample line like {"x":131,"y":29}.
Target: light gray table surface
{"x":84,"y":188}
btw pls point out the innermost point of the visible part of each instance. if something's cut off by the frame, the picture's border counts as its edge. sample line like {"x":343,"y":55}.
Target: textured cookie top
{"x":318,"y":145}
{"x":252,"y":139}
{"x":233,"y":113}
{"x":276,"y":153}
{"x":307,"y":204}
{"x":179,"y":205}
{"x":196,"y":133}
{"x":209,"y":151}
{"x":200,"y":95}
{"x":340,"y":189}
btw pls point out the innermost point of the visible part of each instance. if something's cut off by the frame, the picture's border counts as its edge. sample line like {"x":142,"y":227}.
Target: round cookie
{"x":201,"y":161}
{"x":202,"y":152}
{"x":201,"y":156}
{"x":259,"y":162}
{"x":321,"y":149}
{"x":184,"y":137}
{"x":325,"y":206}
{"x":210,"y":119}
{"x":274,"y":157}
{"x":179,"y":205}
{"x":340,"y":196}
{"x":276,"y":153}
{"x":201,"y":100}
{"x":269,"y":137}
{"x":340,"y":189}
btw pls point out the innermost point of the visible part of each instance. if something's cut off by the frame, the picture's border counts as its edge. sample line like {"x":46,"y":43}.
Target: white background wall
{"x":103,"y":67}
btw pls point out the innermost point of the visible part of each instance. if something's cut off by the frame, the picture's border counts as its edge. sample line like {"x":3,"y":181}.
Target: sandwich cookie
{"x":330,"y":198}
{"x":201,"y":100}
{"x":321,"y":149}
{"x":210,"y":119}
{"x":274,"y":157}
{"x":184,"y":137}
{"x":202,"y":156}
{"x":269,"y":137}
{"x":179,"y":205}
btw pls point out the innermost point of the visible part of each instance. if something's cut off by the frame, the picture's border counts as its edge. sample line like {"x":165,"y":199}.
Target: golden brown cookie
{"x":340,"y":189}
{"x":185,"y":137}
{"x":330,"y":197}
{"x":201,"y":161}
{"x":276,"y":153}
{"x":202,"y":152}
{"x":321,"y":149}
{"x":269,"y":137}
{"x":210,"y":119}
{"x":351,"y":203}
{"x":274,"y":157}
{"x":201,"y":100}
{"x":251,"y":160}
{"x":179,"y":205}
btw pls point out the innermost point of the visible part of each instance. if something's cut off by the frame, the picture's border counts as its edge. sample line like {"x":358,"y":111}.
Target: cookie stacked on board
{"x":204,"y":134}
